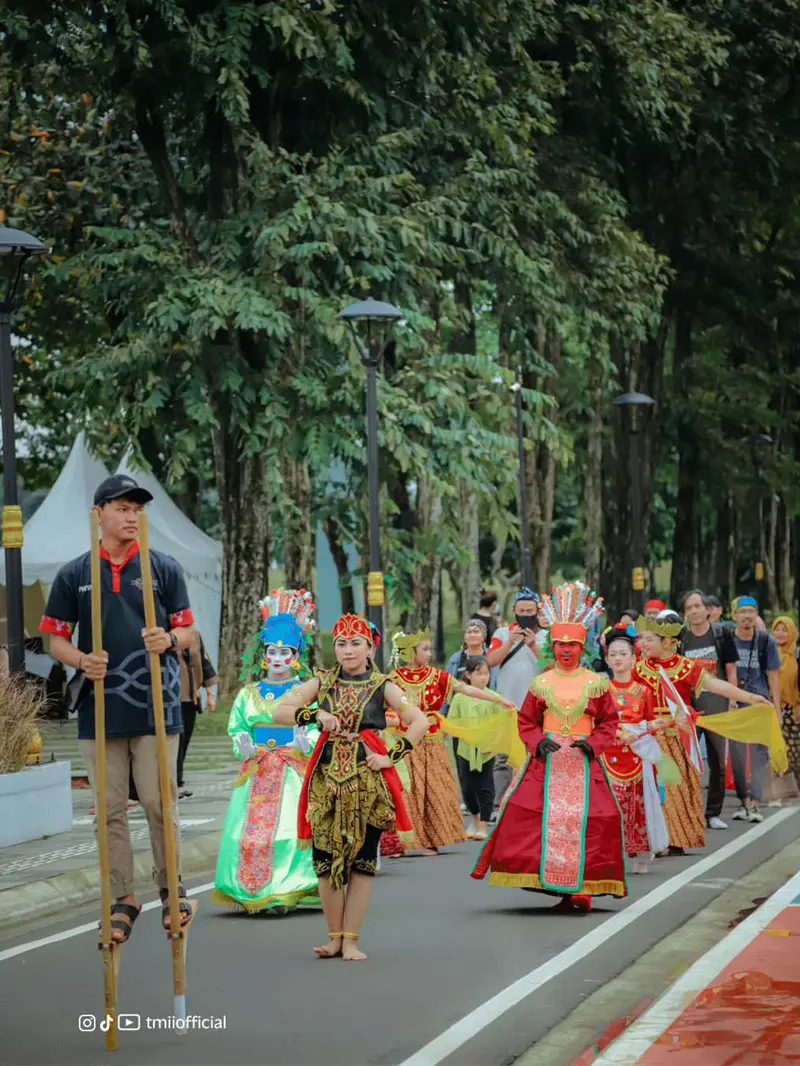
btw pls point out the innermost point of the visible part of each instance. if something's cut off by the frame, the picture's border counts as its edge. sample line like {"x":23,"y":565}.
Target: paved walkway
{"x":739,"y":1003}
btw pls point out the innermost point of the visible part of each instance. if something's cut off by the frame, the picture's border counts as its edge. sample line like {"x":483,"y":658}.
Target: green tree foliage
{"x":599,"y":197}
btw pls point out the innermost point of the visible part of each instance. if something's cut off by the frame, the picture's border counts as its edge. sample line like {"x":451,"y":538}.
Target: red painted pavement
{"x":749,"y":1015}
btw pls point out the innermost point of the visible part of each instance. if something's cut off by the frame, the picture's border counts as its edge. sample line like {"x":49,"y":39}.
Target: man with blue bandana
{"x":757,"y":671}
{"x":515,"y":651}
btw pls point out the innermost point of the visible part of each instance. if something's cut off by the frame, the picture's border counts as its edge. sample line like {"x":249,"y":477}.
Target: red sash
{"x":403,"y":823}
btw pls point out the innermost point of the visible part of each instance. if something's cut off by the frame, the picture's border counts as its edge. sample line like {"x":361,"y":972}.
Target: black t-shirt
{"x":128,"y":691}
{"x":714,"y":650}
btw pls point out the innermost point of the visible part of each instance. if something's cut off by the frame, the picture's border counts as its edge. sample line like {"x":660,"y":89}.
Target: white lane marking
{"x":88,"y":927}
{"x":477,"y":1020}
{"x":639,"y":1038}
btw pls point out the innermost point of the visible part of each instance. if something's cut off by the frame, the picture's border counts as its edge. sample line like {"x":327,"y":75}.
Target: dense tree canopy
{"x":599,"y":198}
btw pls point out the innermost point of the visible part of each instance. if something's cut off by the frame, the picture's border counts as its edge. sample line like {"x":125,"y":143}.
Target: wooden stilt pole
{"x":177,"y":935}
{"x":110,"y":950}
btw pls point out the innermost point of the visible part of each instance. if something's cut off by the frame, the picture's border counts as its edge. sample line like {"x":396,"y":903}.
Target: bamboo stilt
{"x":177,"y":934}
{"x":110,"y":950}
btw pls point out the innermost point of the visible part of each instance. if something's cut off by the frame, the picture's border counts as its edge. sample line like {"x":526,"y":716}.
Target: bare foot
{"x":350,"y":951}
{"x":430,"y":851}
{"x":329,"y":950}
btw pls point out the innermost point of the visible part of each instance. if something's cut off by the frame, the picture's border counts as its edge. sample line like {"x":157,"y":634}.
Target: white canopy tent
{"x":199,"y":555}
{"x":60,"y":530}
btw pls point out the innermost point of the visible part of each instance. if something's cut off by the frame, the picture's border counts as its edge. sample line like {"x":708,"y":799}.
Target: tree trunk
{"x":469,"y":577}
{"x":639,"y":368}
{"x":725,"y":553}
{"x":333,"y":531}
{"x":242,"y":485}
{"x":684,"y":545}
{"x":770,"y":553}
{"x":593,"y":485}
{"x":786,"y":560}
{"x":426,"y":581}
{"x":298,"y":530}
{"x":540,"y":467}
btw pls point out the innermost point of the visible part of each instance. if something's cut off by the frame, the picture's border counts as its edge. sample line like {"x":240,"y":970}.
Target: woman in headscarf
{"x":784,"y":631}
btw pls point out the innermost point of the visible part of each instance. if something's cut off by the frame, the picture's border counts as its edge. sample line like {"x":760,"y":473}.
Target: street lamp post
{"x":16,"y":248}
{"x":756,"y":442}
{"x":524,"y":518}
{"x":634,"y":400}
{"x":371,"y":352}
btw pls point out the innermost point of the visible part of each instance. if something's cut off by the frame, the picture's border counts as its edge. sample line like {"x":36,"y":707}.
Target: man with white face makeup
{"x":260,"y":866}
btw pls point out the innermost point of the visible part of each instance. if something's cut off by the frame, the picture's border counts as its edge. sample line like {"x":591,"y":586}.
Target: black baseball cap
{"x":120,"y":487}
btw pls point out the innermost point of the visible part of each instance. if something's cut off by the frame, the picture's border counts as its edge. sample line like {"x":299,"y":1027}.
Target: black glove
{"x":585,"y":747}
{"x":546,"y":747}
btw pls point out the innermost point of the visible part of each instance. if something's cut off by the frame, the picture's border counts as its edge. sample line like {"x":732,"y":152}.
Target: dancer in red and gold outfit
{"x":630,"y":764}
{"x":675,"y":680}
{"x":351,"y":792}
{"x":560,"y":830}
{"x":434,"y":801}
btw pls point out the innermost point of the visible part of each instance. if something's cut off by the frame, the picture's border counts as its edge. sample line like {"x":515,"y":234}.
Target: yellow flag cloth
{"x":751,"y":725}
{"x":495,"y":732}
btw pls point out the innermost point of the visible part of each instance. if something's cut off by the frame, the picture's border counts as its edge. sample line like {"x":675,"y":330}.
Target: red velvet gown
{"x":560,"y":830}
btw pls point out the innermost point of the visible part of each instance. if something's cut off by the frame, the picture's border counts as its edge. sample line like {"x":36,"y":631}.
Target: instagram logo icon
{"x":87,"y":1023}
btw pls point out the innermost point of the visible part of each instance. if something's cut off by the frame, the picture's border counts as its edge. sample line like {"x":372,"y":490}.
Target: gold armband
{"x":305,"y":716}
{"x":401,"y":749}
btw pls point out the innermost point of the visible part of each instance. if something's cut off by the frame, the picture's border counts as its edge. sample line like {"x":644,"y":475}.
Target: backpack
{"x":762,"y":644}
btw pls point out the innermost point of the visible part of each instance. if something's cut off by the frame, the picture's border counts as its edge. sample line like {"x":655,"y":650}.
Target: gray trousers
{"x":503,"y":776}
{"x":759,"y":761}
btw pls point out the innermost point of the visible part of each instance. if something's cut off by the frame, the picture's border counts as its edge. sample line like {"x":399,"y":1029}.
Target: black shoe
{"x":184,"y":793}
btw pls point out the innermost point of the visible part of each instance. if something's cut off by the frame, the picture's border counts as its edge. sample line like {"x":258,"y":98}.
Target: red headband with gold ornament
{"x":352,"y":625}
{"x":568,"y":633}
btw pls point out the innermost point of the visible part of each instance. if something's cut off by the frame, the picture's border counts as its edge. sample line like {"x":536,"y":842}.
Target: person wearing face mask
{"x":560,"y":830}
{"x":260,"y":867}
{"x":515,"y":651}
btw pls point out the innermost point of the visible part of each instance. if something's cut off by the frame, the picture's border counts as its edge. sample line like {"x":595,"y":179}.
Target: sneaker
{"x":741,"y":815}
{"x":755,"y":815}
{"x":717,"y":823}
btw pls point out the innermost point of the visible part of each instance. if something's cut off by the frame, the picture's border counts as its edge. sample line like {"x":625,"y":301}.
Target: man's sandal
{"x":123,"y":915}
{"x":186,"y":908}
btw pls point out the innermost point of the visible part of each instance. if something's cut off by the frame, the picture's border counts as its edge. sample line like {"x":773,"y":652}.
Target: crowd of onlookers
{"x":739,"y":650}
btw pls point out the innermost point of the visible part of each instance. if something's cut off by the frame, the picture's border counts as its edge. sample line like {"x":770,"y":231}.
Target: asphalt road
{"x":441,"y":946}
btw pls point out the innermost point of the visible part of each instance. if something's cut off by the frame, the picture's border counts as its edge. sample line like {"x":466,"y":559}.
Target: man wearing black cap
{"x":125,"y":666}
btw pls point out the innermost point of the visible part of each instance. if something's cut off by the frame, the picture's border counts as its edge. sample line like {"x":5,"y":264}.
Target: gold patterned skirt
{"x":683,"y":810}
{"x":434,"y":802}
{"x":340,"y":819}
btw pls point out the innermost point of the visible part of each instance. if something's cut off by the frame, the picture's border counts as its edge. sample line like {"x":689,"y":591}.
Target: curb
{"x":53,"y":896}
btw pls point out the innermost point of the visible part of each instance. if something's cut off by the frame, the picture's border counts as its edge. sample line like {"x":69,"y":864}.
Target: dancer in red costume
{"x":560,"y":830}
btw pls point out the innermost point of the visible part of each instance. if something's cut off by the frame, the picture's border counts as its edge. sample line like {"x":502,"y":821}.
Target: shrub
{"x":22,"y":705}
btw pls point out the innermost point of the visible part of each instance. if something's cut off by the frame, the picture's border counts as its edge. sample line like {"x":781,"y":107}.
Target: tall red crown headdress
{"x":353,"y":625}
{"x":571,"y":610}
